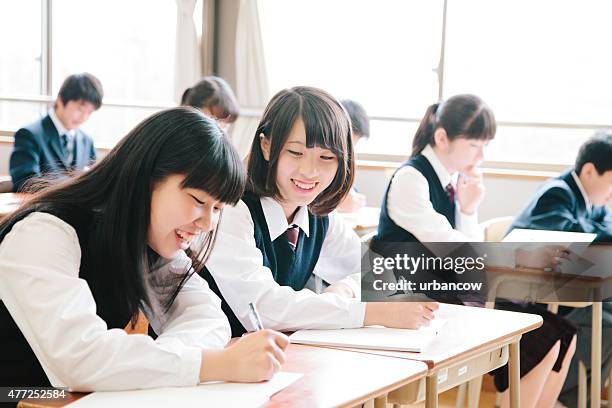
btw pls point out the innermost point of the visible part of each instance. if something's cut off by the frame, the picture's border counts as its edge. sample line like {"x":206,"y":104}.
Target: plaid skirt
{"x":537,"y":343}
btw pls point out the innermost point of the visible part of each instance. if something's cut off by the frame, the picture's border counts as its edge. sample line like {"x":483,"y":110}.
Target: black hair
{"x":118,"y":190}
{"x":360,"y":122}
{"x":460,"y":116}
{"x":216,"y":95}
{"x":596,"y":150}
{"x":327,"y":126}
{"x":82,"y":86}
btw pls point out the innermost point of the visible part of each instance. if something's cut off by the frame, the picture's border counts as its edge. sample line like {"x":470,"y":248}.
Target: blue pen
{"x":254,"y":316}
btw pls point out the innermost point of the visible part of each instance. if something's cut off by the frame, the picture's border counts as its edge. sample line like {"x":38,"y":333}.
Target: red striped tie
{"x":292,"y":235}
{"x":450,"y":192}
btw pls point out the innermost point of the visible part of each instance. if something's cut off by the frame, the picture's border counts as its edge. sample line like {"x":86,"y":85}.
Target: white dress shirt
{"x":587,"y":202}
{"x":409,"y":206}
{"x":236,"y":264}
{"x":59,"y":126}
{"x":56,"y":312}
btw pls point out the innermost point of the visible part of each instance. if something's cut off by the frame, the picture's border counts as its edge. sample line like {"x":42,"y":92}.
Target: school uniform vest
{"x":391,"y":239}
{"x":289,"y":268}
{"x":19,"y":365}
{"x":388,"y":230}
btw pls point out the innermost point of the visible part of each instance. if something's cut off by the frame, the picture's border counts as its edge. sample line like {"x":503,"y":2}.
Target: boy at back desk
{"x":577,"y":201}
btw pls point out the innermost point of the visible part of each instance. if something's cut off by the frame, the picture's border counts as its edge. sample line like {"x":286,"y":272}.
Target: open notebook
{"x":372,"y":337}
{"x":529,"y":235}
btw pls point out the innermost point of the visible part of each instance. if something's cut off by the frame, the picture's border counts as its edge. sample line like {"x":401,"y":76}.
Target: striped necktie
{"x":68,"y":146}
{"x":293,"y":233}
{"x":450,"y":192}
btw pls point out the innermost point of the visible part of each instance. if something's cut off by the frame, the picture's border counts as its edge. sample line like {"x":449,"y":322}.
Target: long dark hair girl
{"x":117,"y":192}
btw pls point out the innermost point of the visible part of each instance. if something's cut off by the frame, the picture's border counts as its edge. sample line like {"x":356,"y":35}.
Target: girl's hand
{"x":254,"y":357}
{"x":470,"y":191}
{"x":401,"y":315}
{"x":550,"y":256}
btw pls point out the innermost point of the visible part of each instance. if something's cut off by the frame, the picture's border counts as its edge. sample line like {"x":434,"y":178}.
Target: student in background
{"x":54,"y":145}
{"x":215,"y":98}
{"x":434,"y":197}
{"x":282,"y":246}
{"x":80,"y":259}
{"x":360,"y":126}
{"x":577,"y":201}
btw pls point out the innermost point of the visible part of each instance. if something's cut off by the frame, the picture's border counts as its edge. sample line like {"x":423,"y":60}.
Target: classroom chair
{"x":6,"y":185}
{"x":495,"y":229}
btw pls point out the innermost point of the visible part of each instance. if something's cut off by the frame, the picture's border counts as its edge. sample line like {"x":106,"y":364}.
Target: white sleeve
{"x":195,"y":317}
{"x":468,"y":224}
{"x":340,"y":257}
{"x":56,"y":312}
{"x":236,"y":264}
{"x":409,"y":206}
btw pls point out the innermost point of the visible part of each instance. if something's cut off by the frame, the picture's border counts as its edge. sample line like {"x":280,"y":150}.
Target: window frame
{"x":46,"y":96}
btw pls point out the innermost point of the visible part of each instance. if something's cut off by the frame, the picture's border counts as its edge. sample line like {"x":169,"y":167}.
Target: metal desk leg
{"x":514,"y":373}
{"x":582,"y":385}
{"x":596,"y":356}
{"x":381,"y":402}
{"x":431,"y":391}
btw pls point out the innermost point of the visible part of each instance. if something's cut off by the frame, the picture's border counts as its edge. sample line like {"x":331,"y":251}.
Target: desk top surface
{"x":342,"y":378}
{"x":9,"y":202}
{"x":468,"y":332}
{"x":363,"y":219}
{"x":331,"y":378}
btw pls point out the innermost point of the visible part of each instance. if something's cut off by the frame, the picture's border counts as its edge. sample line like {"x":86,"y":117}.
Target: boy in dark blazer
{"x":54,"y":146}
{"x":577,"y":201}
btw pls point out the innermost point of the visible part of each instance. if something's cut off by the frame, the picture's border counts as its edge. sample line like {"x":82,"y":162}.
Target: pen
{"x":255,"y":319}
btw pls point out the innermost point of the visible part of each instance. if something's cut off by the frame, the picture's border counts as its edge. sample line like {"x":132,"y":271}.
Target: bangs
{"x":326,"y":128}
{"x":482,"y":126}
{"x":219,"y":172}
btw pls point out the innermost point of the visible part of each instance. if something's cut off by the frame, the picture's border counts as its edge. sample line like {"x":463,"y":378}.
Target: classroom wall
{"x":372,"y":183}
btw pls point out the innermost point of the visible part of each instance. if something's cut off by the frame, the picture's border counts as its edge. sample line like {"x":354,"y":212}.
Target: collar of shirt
{"x":443,"y":175}
{"x":585,"y":197}
{"x":61,"y":130}
{"x":276,"y":220}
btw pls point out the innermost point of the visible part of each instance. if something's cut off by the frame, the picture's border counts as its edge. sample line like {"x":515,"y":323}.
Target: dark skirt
{"x":537,"y":343}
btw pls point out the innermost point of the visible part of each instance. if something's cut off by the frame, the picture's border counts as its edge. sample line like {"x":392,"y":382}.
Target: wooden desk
{"x":364,"y":220}
{"x":538,"y":285}
{"x":338,"y":378}
{"x":331,"y":378}
{"x":9,"y":202}
{"x":473,"y":342}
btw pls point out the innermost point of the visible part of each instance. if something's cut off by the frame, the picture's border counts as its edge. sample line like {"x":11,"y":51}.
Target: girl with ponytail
{"x":434,"y":197}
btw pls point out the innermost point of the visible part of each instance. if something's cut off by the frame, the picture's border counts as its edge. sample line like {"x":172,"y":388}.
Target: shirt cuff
{"x":356,"y":314}
{"x":190,"y":366}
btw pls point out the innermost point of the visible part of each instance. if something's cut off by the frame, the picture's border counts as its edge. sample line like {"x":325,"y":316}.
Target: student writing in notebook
{"x":80,"y":259}
{"x":577,"y":201}
{"x":282,"y":246}
{"x":434,"y":197}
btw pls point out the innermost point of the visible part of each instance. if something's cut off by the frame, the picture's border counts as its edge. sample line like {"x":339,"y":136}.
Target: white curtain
{"x":188,"y":55}
{"x":252,"y":88}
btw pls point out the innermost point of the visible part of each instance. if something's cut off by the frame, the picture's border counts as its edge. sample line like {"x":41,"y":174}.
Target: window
{"x":541,"y":66}
{"x":129,"y":46}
